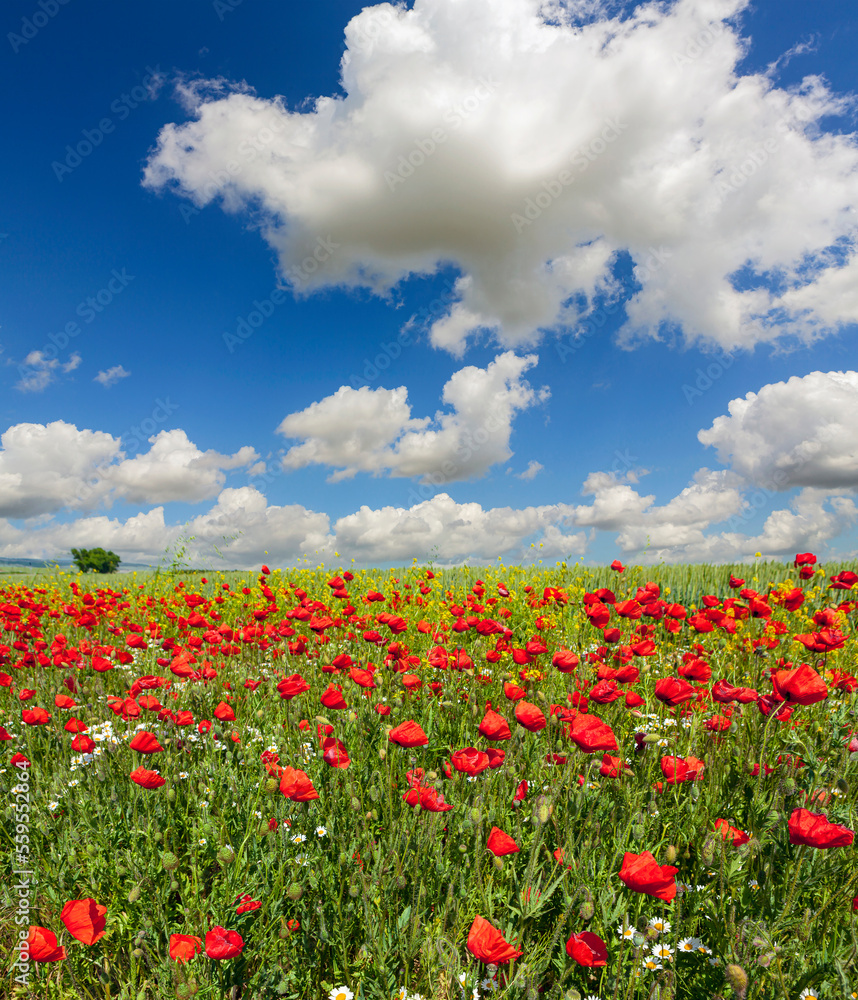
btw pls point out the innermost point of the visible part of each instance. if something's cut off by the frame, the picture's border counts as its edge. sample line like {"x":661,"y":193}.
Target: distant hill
{"x":62,"y":563}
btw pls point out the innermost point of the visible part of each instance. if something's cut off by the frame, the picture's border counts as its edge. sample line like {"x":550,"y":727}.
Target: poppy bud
{"x":382,"y":754}
{"x":642,"y":924}
{"x":174,"y":886}
{"x":842,"y":786}
{"x":355,"y":804}
{"x":475,"y":815}
{"x":171,"y":794}
{"x":651,"y":738}
{"x":788,"y":786}
{"x":544,"y":809}
{"x":225,"y":856}
{"x":134,"y":895}
{"x":670,"y":854}
{"x":498,"y":863}
{"x":707,"y":855}
{"x":169,"y":861}
{"x":586,"y":911}
{"x":137,"y":953}
{"x":764,"y":961}
{"x":295,"y":891}
{"x":401,"y":881}
{"x":354,"y":890}
{"x":773,"y":817}
{"x":638,"y":832}
{"x":738,"y":979}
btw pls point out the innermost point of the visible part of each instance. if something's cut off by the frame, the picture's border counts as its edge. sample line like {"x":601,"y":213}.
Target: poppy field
{"x":580,"y":783}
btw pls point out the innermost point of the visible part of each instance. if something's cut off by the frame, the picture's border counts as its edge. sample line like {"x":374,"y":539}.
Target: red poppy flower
{"x":84,"y":919}
{"x":83,"y":744}
{"x":642,"y":873}
{"x":383,"y":709}
{"x":587,"y":949}
{"x":408,"y":734}
{"x":494,"y":726}
{"x":297,"y":786}
{"x":500,"y":843}
{"x":530,"y":717}
{"x":335,"y":753}
{"x":737,"y":837}
{"x":146,"y":779}
{"x":802,"y":685}
{"x":362,"y":677}
{"x":19,"y":759}
{"x":824,"y":641}
{"x":289,"y":687}
{"x":613,"y":767}
{"x":724,"y":692}
{"x":679,"y":769}
{"x":34,"y":716}
{"x":673,"y":691}
{"x":427,"y":798}
{"x":333,"y":698}
{"x":520,"y":792}
{"x":591,"y":734}
{"x":805,"y":559}
{"x":246,"y":904}
{"x":470,"y":760}
{"x":42,"y":945}
{"x":145,"y":742}
{"x":487,"y":944}
{"x":496,"y":757}
{"x":183,"y":947}
{"x":224,"y":712}
{"x":815,"y":830}
{"x":222,"y":944}
{"x":565,"y":661}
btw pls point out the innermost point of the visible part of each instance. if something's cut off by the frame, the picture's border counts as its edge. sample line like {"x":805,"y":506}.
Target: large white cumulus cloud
{"x":530,"y":149}
{"x":802,"y":432}
{"x":372,"y":430}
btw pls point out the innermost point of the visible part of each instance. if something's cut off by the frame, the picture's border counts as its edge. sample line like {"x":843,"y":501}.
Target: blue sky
{"x":572,"y":274}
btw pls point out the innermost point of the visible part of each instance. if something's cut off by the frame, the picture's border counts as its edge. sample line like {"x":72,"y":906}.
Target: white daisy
{"x":53,"y":806}
{"x":202,"y":842}
{"x":688,"y":944}
{"x":651,"y":965}
{"x":625,"y":932}
{"x":662,"y":926}
{"x":808,"y":994}
{"x":321,"y":831}
{"x":340,"y":993}
{"x":298,"y":838}
{"x":662,"y":951}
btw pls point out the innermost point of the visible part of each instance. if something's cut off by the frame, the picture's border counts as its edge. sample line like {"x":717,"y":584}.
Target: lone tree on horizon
{"x":95,"y":560}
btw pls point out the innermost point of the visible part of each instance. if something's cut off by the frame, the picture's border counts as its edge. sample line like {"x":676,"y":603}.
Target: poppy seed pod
{"x":134,"y":895}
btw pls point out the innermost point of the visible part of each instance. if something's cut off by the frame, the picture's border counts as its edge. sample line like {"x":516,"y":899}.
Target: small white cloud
{"x":114,"y":374}
{"x":43,"y":370}
{"x":532,"y":471}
